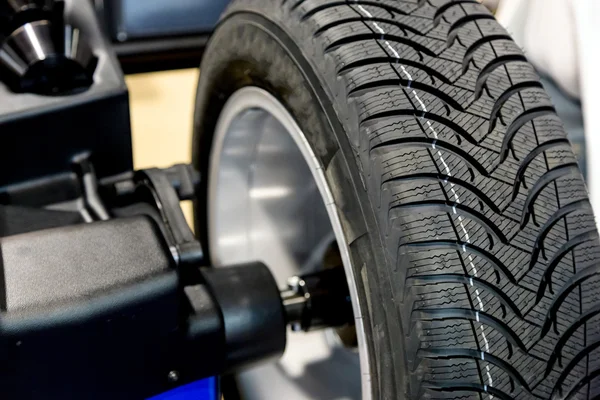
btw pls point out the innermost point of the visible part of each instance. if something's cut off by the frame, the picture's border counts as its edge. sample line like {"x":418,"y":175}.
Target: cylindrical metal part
{"x":318,"y":300}
{"x":18,"y":6}
{"x":253,"y":315}
{"x":40,"y":53}
{"x":294,"y":304}
{"x":16,"y":13}
{"x":31,"y":43}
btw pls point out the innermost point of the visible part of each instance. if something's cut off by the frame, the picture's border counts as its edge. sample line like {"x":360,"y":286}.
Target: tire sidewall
{"x":249,"y":49}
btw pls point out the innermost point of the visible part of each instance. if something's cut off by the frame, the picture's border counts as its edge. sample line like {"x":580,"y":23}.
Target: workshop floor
{"x":162,"y":108}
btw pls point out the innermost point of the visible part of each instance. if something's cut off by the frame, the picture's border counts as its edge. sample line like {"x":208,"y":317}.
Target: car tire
{"x":471,"y":236}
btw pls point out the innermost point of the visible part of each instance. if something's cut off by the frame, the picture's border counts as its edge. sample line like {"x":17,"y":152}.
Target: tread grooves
{"x":457,"y":386}
{"x":518,"y":123}
{"x":438,"y":353}
{"x":476,"y":45}
{"x":440,"y":11}
{"x":580,"y":205}
{"x":490,"y":67}
{"x":549,"y":177}
{"x":405,"y":28}
{"x":520,"y":176}
{"x":504,"y":97}
{"x":377,"y":36}
{"x":400,"y":83}
{"x":564,"y":249}
{"x":581,"y":383}
{"x":438,"y":205}
{"x":427,"y":143}
{"x":392,"y":60}
{"x":422,"y":280}
{"x":391,"y":10}
{"x":296,"y":4}
{"x":575,"y":281}
{"x":447,"y":178}
{"x":427,"y":115}
{"x":572,"y":364}
{"x":471,"y":315}
{"x":468,"y":247}
{"x":459,"y":23}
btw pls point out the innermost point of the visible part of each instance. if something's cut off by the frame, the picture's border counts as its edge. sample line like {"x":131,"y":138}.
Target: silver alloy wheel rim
{"x":255,"y":174}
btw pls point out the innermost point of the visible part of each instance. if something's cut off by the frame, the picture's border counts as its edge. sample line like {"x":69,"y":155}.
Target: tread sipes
{"x":462,"y":154}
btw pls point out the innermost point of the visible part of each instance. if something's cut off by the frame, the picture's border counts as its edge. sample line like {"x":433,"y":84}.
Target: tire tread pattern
{"x":479,"y":193}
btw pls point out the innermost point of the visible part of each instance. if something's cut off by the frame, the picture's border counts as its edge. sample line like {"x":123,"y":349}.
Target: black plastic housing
{"x":89,"y":311}
{"x":102,"y":310}
{"x":253,"y":314}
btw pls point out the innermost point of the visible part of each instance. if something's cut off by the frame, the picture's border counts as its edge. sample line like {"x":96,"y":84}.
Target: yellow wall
{"x":162,"y":107}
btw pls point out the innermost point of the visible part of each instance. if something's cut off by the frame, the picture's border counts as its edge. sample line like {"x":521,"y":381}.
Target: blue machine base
{"x":207,"y":389}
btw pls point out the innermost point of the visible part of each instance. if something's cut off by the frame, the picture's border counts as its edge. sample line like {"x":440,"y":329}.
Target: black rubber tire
{"x":468,"y":221}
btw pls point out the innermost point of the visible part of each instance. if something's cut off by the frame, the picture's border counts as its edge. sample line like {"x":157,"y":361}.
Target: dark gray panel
{"x":135,"y":19}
